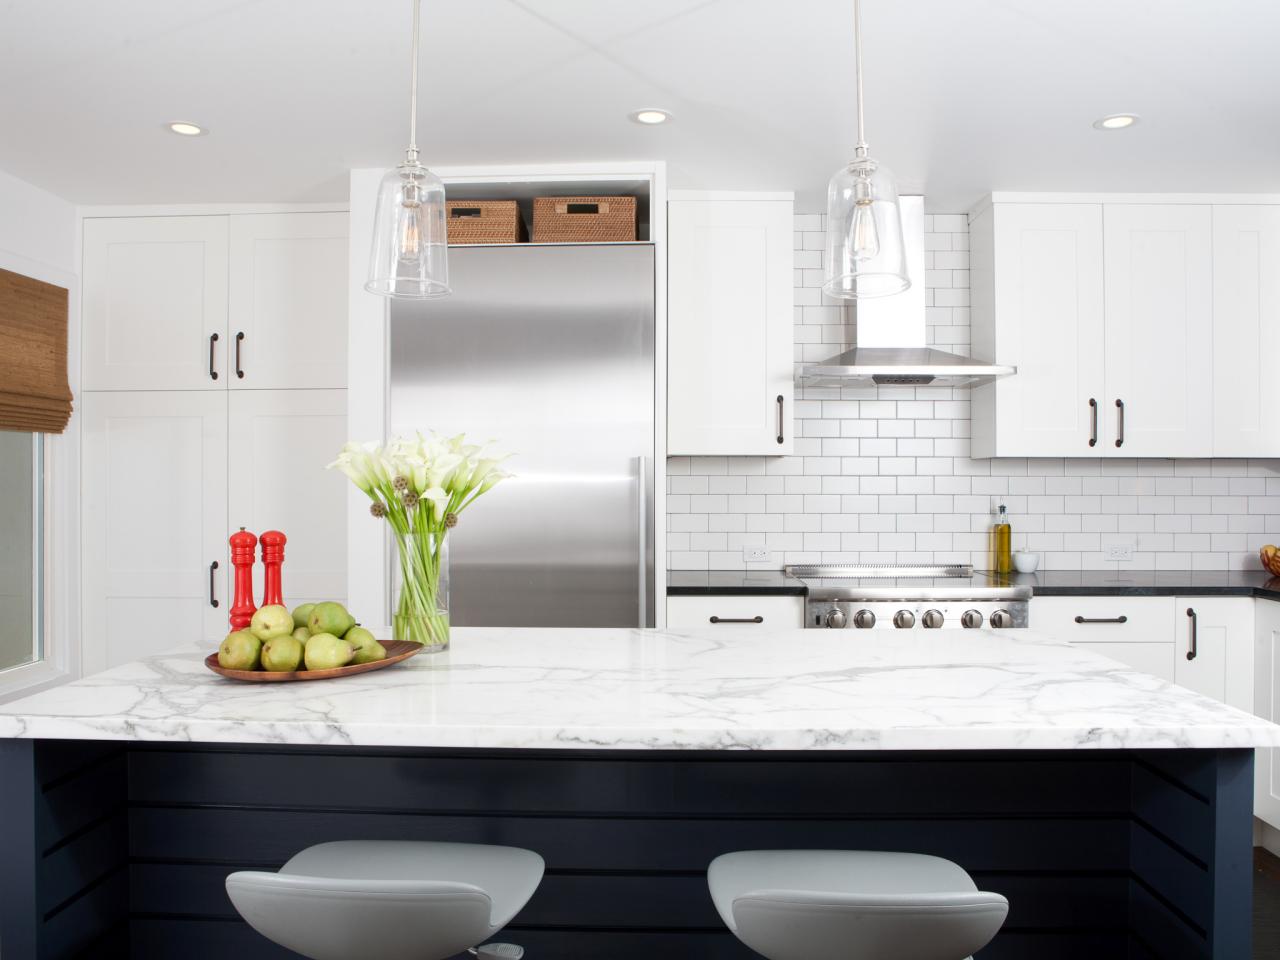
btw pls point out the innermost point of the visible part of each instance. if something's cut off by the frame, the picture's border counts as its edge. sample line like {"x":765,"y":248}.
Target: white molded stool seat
{"x":853,"y":904}
{"x":391,"y":900}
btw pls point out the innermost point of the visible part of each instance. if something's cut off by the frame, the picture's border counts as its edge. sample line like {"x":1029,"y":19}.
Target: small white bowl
{"x":1025,"y":562}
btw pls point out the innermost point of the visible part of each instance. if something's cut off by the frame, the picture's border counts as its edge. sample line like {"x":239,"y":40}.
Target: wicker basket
{"x":583,"y":219}
{"x":484,"y":221}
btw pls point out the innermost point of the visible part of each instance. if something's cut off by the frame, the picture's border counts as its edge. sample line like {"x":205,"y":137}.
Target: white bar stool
{"x":389,"y":899}
{"x":853,"y":904}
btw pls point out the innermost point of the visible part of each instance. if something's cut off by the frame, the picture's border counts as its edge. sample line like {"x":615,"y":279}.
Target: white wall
{"x":37,"y":230}
{"x":883,"y":474}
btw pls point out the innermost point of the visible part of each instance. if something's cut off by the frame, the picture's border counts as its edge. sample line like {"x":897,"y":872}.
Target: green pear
{"x":366,"y":646}
{"x":330,"y":618}
{"x":240,"y":650}
{"x":282,"y":654}
{"x":302,"y":634}
{"x":271,"y":621}
{"x":325,"y":651}
{"x":301,"y":612}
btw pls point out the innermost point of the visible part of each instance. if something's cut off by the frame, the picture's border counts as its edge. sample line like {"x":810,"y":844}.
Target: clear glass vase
{"x":422,"y":610}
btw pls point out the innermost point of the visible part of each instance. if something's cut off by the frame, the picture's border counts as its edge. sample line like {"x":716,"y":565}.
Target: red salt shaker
{"x":273,"y":542}
{"x":242,"y":609}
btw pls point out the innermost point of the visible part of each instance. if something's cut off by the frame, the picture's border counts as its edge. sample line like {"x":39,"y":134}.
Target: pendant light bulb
{"x":410,"y":255}
{"x":865,"y":253}
{"x":866,"y":238}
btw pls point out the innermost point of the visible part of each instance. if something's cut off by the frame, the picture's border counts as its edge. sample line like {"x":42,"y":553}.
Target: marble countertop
{"x":500,"y":688}
{"x":1046,"y":583}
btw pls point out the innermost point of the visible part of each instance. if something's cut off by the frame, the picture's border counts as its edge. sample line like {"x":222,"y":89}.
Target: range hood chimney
{"x":891,"y":334}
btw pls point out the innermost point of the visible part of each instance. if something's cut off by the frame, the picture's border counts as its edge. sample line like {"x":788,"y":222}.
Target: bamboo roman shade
{"x":34,"y":394}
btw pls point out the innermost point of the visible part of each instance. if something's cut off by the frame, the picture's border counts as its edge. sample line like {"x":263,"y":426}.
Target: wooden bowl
{"x":397,"y":650}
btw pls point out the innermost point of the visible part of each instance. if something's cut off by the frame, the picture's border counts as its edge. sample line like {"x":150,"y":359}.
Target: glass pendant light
{"x":865,"y":255}
{"x":410,"y":256}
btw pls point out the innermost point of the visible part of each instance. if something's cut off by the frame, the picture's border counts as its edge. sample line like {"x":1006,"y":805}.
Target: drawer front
{"x":1157,"y":659}
{"x":735,"y":613}
{"x":1098,"y":619}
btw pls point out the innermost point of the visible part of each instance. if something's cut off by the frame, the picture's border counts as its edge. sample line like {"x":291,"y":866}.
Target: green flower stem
{"x":421,"y":614}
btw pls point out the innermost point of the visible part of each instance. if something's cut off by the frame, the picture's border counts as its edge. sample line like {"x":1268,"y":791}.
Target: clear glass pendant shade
{"x":410,"y":256}
{"x":865,"y":255}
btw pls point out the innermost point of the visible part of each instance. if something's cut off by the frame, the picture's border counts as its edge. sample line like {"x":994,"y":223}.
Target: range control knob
{"x":933,"y":619}
{"x":1002,"y":618}
{"x":835,"y":618}
{"x":864,"y":619}
{"x":972,"y":619}
{"x":904,"y":619}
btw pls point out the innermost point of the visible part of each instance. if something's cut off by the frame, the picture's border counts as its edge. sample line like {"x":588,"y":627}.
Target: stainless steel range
{"x":909,"y":596}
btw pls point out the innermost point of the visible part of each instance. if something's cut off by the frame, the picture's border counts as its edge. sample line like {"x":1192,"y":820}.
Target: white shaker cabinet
{"x":1037,"y":288}
{"x":1137,"y":631}
{"x":1214,"y":656}
{"x":1266,"y":778}
{"x":245,"y":301}
{"x":1159,"y":330}
{"x":154,"y":313}
{"x":288,"y":307}
{"x":279,"y":442}
{"x":1246,"y":330}
{"x":730,"y":354}
{"x":153,"y":522}
{"x":731,"y":613}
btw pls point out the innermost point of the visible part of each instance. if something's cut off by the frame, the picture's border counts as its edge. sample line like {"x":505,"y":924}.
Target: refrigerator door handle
{"x":642,"y":534}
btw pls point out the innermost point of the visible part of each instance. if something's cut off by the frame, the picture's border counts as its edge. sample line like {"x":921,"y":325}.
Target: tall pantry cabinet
{"x":214,"y":392}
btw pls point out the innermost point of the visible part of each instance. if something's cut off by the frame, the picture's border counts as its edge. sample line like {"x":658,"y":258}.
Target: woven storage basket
{"x":484,"y":221}
{"x":583,"y":219}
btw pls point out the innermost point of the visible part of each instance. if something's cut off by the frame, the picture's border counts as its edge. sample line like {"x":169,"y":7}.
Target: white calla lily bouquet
{"x":421,"y":485}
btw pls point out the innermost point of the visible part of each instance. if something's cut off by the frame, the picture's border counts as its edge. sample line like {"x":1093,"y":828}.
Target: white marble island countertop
{"x":500,"y":688}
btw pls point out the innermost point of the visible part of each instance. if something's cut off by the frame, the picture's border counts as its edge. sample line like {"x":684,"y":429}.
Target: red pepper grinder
{"x":242,"y":609}
{"x":273,"y":542}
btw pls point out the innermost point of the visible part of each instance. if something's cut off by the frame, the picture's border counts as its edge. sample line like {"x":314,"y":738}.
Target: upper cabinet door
{"x":279,"y":443}
{"x":1037,"y":304}
{"x":1246,"y":330}
{"x":1159,"y":302}
{"x":155,"y":303}
{"x":729,"y":327}
{"x":154,"y":508}
{"x":288,"y":325}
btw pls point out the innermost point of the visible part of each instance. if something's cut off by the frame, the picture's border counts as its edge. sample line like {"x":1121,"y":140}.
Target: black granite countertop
{"x":1047,"y":583}
{"x":732,"y":583}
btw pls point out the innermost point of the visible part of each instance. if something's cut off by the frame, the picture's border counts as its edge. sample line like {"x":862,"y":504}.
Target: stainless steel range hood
{"x":891,"y":334}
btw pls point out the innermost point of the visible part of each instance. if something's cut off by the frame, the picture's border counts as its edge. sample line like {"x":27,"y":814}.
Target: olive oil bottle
{"x":1003,"y":537}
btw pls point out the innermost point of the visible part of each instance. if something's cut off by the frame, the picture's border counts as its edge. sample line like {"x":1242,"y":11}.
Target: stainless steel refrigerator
{"x":548,"y":351}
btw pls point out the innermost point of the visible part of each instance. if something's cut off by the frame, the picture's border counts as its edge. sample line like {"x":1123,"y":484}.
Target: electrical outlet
{"x":1120,"y":551}
{"x":756,"y":555}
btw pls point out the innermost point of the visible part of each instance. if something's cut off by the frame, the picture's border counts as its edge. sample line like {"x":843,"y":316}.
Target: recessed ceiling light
{"x":650,"y":116}
{"x":185,"y":129}
{"x":1117,"y":121}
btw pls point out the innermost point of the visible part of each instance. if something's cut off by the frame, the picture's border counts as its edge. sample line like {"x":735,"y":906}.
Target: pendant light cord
{"x":861,"y":150}
{"x":412,"y":152}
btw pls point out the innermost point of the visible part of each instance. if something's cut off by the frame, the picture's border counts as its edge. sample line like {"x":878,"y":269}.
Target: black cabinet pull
{"x":737,"y":619}
{"x":213,"y":570}
{"x":239,"y":340}
{"x":1192,"y":650}
{"x":213,"y":340}
{"x":1093,"y":422}
{"x":1120,"y":619}
{"x":780,"y":431}
{"x":1119,"y":423}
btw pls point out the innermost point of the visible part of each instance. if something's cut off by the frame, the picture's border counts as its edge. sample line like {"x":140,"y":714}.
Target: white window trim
{"x":61,"y":609}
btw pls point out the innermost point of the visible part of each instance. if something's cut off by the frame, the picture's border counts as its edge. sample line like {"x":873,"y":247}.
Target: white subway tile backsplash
{"x":882,"y":474}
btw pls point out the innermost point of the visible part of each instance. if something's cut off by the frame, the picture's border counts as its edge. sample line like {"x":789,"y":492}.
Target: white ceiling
{"x":962,"y":98}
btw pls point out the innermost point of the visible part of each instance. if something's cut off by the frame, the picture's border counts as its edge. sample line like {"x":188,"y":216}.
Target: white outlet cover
{"x":1119,"y":551}
{"x":756,"y":554}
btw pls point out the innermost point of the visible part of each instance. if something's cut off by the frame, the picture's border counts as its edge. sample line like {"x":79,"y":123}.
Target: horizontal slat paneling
{"x":84,"y":921}
{"x":747,"y":787}
{"x":632,"y":844}
{"x":82,"y":861}
{"x":1176,"y":814}
{"x":164,"y":938}
{"x":1184,"y":884}
{"x":1162,"y":930}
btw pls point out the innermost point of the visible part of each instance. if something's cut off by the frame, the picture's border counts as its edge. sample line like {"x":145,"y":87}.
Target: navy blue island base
{"x":112,"y":849}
